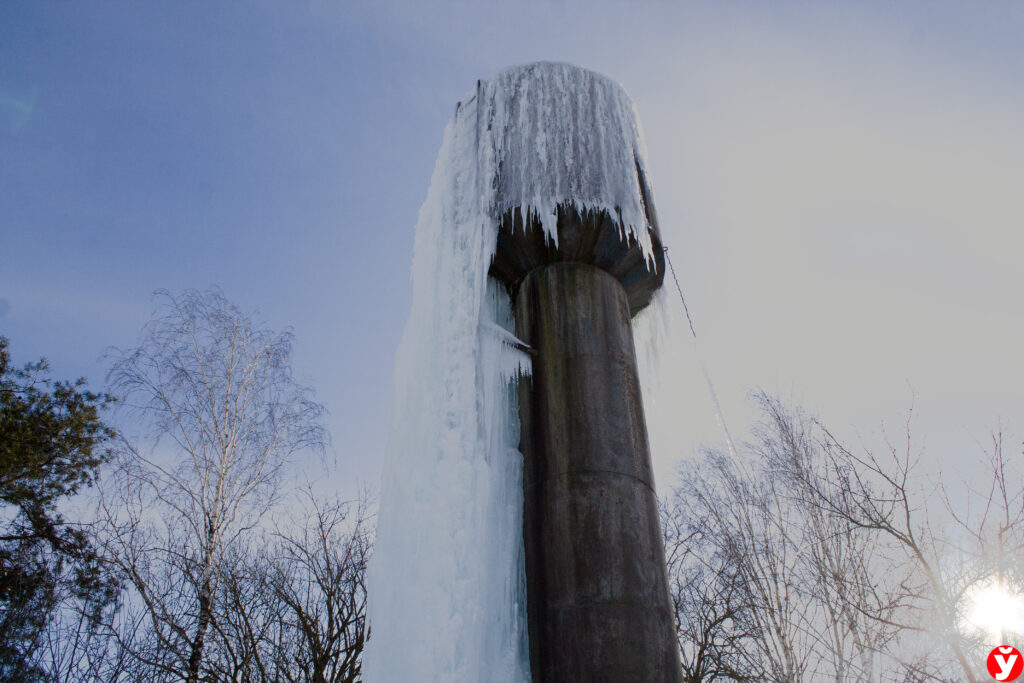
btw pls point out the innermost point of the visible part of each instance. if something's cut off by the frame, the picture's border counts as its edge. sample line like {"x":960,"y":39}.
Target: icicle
{"x":566,"y":136}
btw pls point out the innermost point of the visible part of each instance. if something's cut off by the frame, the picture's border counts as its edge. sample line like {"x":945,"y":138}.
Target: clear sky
{"x":839,"y":185}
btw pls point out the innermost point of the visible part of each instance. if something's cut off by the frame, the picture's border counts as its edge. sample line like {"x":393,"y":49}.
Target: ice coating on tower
{"x":562,"y":135}
{"x":447,"y":586}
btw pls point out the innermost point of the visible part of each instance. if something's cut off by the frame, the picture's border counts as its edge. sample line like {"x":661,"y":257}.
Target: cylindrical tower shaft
{"x":596,"y":580}
{"x":579,"y":250}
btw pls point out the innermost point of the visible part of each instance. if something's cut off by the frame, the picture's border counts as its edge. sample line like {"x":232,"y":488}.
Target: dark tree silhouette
{"x":52,"y":441}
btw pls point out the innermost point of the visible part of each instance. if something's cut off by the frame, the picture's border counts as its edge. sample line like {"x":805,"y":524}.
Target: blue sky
{"x":839,"y":184}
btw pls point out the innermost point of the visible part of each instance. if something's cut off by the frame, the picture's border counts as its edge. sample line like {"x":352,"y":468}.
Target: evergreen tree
{"x":51,"y":445}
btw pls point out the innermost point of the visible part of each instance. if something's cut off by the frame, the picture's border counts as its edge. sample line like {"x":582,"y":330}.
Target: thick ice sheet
{"x":563,"y":135}
{"x":447,"y":588}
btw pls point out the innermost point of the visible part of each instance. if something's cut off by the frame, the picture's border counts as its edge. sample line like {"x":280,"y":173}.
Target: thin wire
{"x":680,"y":290}
{"x":703,"y":365}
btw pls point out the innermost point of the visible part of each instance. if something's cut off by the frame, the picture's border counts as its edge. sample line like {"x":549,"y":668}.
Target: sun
{"x":994,"y":609}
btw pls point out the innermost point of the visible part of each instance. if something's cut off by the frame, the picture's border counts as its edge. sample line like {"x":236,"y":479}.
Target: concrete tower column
{"x":597,"y":590}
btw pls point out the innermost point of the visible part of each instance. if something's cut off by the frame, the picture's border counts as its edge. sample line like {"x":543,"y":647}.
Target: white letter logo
{"x":1004,"y":663}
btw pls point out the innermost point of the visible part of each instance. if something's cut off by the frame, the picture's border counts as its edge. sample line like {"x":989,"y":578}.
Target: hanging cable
{"x":703,"y":366}
{"x":679,"y":289}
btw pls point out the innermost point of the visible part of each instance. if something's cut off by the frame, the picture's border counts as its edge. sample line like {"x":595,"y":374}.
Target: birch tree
{"x":222,"y":416}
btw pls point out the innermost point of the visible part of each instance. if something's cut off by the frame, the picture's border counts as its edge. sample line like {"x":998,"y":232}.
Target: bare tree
{"x":711,"y":612}
{"x":777,"y":586}
{"x":223,"y":416}
{"x":295,"y":604}
{"x":77,"y":648}
{"x":320,"y":578}
{"x":842,"y":559}
{"x":937,"y":568}
{"x":992,"y":522}
{"x":751,"y":556}
{"x":812,"y":561}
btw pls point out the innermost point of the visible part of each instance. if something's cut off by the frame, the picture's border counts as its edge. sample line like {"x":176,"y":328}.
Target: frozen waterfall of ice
{"x":447,"y":586}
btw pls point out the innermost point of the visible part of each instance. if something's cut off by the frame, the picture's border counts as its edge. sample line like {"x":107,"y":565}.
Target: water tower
{"x":577,"y":269}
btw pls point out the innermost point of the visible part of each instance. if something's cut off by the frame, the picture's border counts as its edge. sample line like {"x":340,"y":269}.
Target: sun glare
{"x":994,"y":609}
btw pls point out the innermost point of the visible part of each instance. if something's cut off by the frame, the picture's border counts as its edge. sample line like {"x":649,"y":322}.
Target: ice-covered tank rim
{"x":613,"y":179}
{"x":546,"y":64}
